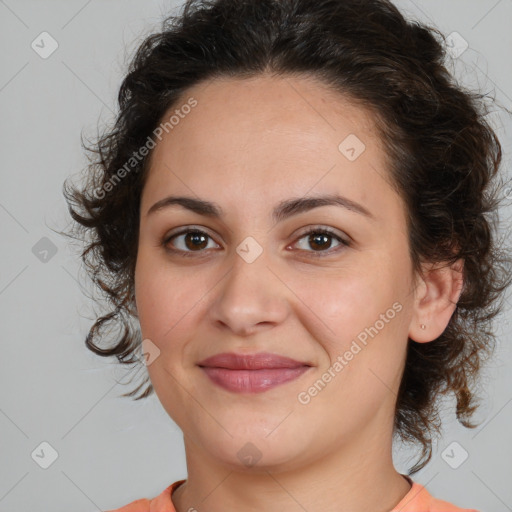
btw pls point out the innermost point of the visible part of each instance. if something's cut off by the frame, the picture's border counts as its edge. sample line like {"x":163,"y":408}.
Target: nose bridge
{"x":249,"y":273}
{"x":250,"y":292}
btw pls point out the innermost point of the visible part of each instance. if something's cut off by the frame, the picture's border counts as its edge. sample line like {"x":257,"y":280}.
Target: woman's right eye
{"x":189,"y":241}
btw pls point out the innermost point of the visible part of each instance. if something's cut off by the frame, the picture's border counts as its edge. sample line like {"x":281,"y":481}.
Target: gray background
{"x":112,"y":450}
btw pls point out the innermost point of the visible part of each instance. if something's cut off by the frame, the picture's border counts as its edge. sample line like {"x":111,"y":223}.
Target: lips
{"x":259,"y":361}
{"x":256,"y":373}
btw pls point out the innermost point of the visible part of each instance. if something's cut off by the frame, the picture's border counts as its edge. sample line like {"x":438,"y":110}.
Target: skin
{"x":247,"y":145}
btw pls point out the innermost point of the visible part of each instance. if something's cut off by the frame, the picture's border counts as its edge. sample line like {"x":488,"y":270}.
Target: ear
{"x":436,"y":294}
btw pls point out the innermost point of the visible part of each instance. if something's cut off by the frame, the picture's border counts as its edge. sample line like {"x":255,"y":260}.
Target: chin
{"x":256,"y":453}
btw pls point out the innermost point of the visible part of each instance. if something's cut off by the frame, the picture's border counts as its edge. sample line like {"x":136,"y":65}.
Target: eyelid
{"x":180,"y":230}
{"x":321,"y":227}
{"x":183,"y":230}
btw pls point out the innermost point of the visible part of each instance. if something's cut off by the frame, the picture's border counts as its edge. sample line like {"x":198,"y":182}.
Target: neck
{"x":345,"y":478}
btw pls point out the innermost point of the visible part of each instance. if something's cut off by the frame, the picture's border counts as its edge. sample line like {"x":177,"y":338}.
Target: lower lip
{"x":252,"y":381}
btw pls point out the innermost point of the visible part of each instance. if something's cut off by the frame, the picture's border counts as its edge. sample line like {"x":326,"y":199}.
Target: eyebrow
{"x":282,"y":211}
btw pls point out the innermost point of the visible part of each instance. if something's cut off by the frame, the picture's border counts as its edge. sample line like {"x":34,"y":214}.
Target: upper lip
{"x":259,"y":361}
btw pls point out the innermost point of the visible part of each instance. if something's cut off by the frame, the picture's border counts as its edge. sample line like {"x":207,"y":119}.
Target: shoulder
{"x":418,"y":499}
{"x":141,"y":505}
{"x":161,"y":503}
{"x":445,"y":506}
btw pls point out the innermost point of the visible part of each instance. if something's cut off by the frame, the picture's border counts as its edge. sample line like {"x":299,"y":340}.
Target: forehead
{"x":299,"y":106}
{"x":276,"y":136}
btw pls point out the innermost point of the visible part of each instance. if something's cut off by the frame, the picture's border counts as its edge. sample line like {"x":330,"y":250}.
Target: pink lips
{"x":251,"y":373}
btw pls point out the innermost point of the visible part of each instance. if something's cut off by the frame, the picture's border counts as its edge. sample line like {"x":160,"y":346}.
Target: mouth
{"x":242,"y":373}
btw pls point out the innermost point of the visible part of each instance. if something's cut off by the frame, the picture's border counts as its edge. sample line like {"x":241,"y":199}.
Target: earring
{"x":423,"y":326}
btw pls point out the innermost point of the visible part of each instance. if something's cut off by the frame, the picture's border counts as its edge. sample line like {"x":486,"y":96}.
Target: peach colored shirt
{"x":417,"y":499}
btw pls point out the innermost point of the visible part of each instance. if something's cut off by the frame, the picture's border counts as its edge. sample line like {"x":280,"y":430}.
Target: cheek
{"x":369,"y":316}
{"x":165,"y":299}
{"x":342,"y":306}
{"x":363,"y":317}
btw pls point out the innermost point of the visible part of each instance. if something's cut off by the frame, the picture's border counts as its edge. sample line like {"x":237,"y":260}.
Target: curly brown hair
{"x":444,"y":156}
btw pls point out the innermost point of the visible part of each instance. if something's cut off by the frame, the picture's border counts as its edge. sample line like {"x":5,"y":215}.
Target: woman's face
{"x":255,"y":282}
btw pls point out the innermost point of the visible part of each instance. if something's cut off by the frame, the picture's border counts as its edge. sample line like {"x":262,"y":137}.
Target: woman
{"x":293,"y":204}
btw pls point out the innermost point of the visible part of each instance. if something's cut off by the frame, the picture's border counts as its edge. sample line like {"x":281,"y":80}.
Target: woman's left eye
{"x":319,"y":237}
{"x":195,"y":241}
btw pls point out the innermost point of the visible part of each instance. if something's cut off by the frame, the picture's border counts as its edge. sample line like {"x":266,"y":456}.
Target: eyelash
{"x":315,"y":230}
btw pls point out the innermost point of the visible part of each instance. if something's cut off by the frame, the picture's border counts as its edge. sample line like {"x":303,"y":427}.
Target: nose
{"x":250,"y":297}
